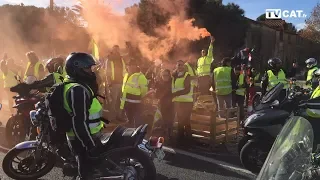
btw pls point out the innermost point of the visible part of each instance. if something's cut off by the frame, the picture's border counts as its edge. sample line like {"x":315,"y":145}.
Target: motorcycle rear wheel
{"x":15,"y":131}
{"x":12,"y":173}
{"x":142,"y":158}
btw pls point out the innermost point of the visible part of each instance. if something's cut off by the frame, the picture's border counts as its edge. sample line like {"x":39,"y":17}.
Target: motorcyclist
{"x":273,"y":76}
{"x":86,"y":110}
{"x":311,"y":64}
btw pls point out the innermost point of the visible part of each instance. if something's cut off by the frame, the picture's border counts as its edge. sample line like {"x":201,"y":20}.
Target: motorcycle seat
{"x":119,"y":133}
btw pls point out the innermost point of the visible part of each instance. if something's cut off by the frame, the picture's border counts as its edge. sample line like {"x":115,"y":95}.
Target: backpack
{"x":60,"y":118}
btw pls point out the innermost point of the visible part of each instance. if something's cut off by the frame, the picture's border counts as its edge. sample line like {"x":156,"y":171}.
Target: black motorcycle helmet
{"x":79,"y":67}
{"x":274,"y":63}
{"x":53,"y":64}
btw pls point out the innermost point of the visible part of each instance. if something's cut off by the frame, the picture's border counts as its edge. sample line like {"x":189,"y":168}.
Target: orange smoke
{"x":111,"y":28}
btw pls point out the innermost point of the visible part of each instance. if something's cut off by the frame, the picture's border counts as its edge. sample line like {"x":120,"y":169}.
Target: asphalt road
{"x":178,"y":164}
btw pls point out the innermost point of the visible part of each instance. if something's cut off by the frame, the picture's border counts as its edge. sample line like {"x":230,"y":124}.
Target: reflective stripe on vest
{"x":35,"y":71}
{"x":131,"y":86}
{"x":240,"y":91}
{"x":274,"y":80}
{"x":9,"y":80}
{"x":112,"y":69}
{"x":222,"y":78}
{"x":178,"y":85}
{"x":95,"y":111}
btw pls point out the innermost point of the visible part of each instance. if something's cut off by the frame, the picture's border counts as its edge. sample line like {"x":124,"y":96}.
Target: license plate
{"x":160,"y":154}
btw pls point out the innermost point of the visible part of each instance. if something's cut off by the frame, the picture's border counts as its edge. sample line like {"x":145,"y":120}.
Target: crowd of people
{"x":232,"y":84}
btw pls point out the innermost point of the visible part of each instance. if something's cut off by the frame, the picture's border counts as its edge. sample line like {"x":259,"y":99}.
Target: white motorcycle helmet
{"x":311,"y":62}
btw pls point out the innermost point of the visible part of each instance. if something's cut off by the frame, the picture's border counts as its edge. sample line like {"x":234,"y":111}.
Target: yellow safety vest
{"x":274,"y":80}
{"x":178,"y":85}
{"x":315,"y":113}
{"x":240,"y":91}
{"x":95,"y":111}
{"x":192,"y":74}
{"x":133,"y":88}
{"x":58,"y":78}
{"x":204,"y":63}
{"x":112,"y":69}
{"x":310,"y":74}
{"x":256,"y":78}
{"x":222,"y":78}
{"x":36,"y":70}
{"x":9,"y":79}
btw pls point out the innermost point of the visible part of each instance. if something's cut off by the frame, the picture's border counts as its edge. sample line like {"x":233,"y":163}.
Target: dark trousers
{"x":167,"y":112}
{"x":133,"y":111}
{"x":183,"y":112}
{"x":204,"y":84}
{"x":239,"y":101}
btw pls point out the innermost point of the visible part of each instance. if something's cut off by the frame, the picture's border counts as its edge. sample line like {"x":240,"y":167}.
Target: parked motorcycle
{"x":125,"y":154}
{"x":18,"y":126}
{"x":291,"y":154}
{"x":262,"y":127}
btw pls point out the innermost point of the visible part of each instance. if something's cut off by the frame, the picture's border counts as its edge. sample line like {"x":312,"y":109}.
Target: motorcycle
{"x":291,"y":154}
{"x":124,"y":152}
{"x":262,"y":127}
{"x":18,"y":126}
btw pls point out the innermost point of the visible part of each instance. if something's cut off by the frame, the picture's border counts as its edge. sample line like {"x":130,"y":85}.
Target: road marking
{"x":207,"y":159}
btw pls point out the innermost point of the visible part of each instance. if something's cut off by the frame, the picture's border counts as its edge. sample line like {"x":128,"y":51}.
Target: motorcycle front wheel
{"x":24,"y":161}
{"x":253,"y":156}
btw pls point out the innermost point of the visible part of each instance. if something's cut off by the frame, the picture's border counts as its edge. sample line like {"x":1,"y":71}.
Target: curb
{"x":4,"y":149}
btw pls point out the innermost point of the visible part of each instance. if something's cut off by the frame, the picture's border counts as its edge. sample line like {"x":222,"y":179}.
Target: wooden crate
{"x":207,"y":127}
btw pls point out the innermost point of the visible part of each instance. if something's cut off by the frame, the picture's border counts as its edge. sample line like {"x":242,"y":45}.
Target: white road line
{"x":207,"y":159}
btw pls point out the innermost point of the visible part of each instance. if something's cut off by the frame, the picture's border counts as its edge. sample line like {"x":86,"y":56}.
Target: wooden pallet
{"x":207,"y":127}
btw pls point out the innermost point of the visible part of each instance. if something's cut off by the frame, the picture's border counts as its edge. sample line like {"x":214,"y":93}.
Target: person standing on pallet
{"x":240,"y":92}
{"x":182,"y":93}
{"x":203,"y":69}
{"x":222,"y":84}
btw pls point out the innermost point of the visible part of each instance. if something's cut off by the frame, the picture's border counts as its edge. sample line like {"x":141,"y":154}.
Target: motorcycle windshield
{"x":272,"y":94}
{"x":290,"y":155}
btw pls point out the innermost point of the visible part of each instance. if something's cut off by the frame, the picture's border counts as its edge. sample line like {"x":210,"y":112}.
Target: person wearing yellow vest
{"x":182,"y":93}
{"x":85,"y":109}
{"x":273,"y":76}
{"x":311,"y":82}
{"x":240,"y":91}
{"x":134,"y":88}
{"x":53,"y":66}
{"x":193,"y":76}
{"x":9,"y":74}
{"x":204,"y":64}
{"x":116,"y":69}
{"x":223,"y":82}
{"x":34,"y":66}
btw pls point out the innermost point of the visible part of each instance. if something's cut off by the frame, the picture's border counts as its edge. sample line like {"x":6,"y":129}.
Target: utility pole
{"x":51,"y":27}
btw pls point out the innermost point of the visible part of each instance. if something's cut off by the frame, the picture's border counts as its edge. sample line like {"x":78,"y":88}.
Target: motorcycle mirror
{"x":275,"y":103}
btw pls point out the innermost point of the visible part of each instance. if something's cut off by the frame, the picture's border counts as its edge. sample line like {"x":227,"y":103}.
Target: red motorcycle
{"x":19,"y":127}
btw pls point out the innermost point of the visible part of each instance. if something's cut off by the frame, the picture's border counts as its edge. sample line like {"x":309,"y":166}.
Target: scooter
{"x":262,"y":127}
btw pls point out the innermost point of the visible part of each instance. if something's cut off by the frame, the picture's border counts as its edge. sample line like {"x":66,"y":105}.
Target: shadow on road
{"x":190,"y":163}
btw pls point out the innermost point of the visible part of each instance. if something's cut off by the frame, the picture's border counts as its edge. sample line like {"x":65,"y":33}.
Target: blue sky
{"x":253,"y":8}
